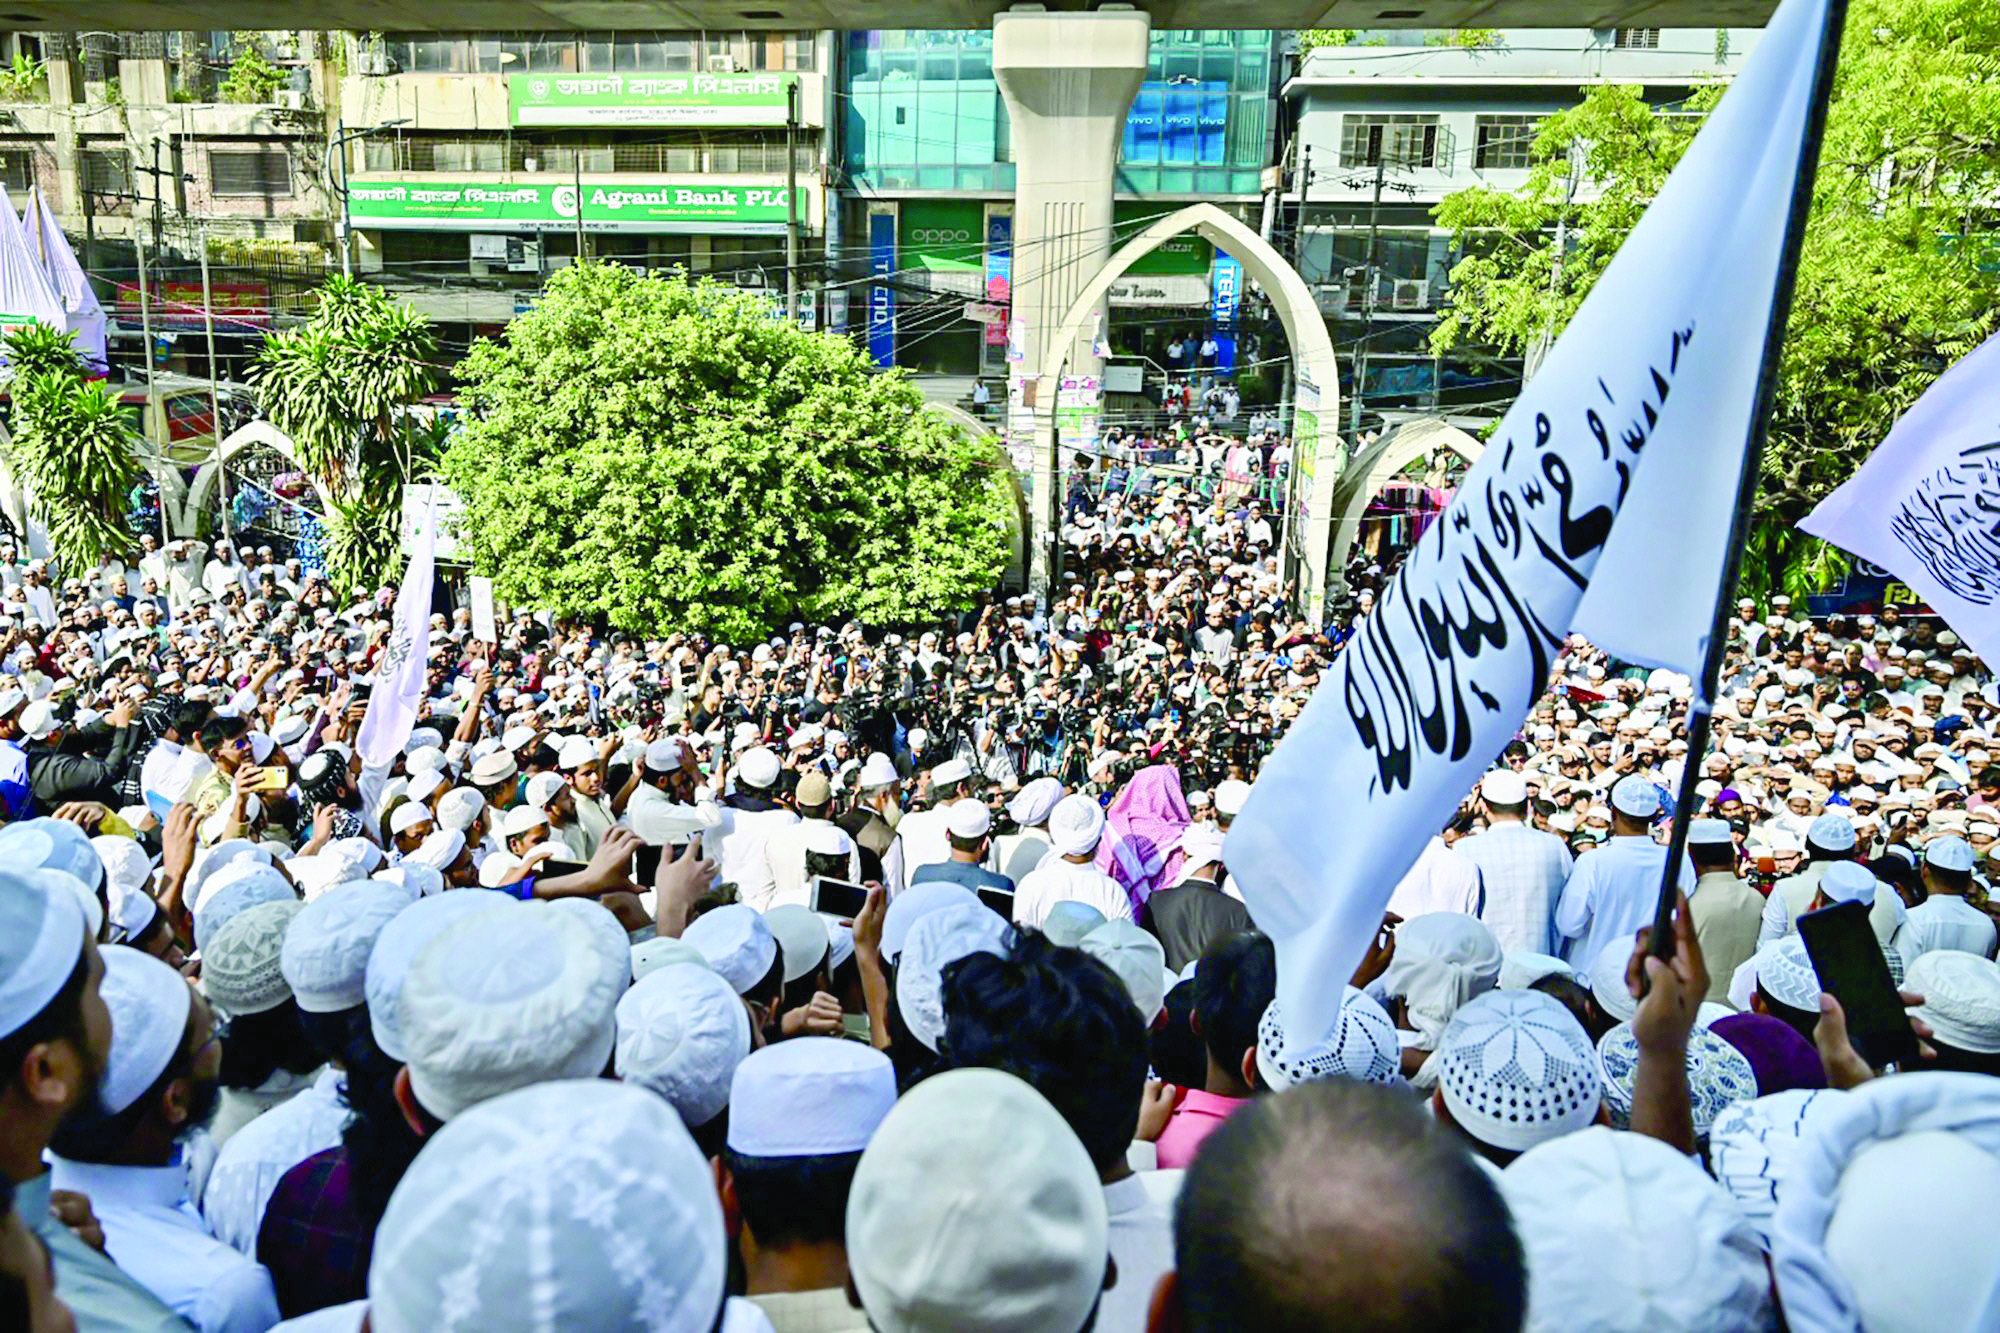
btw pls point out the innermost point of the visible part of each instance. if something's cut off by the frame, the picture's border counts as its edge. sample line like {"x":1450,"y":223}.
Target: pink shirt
{"x":1199,"y":1115}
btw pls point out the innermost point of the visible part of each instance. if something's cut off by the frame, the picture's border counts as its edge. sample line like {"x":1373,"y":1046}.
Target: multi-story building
{"x":1390,"y":124}
{"x":927,"y":188}
{"x":477,"y":163}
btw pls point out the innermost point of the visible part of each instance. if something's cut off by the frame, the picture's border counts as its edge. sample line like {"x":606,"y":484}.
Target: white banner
{"x":400,"y":672}
{"x":484,"y":627}
{"x":1926,"y":503}
{"x":1602,"y":503}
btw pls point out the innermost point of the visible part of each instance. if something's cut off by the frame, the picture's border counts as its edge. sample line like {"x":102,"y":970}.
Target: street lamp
{"x":342,"y":137}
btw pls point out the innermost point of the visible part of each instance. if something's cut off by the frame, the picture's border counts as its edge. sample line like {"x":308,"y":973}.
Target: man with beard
{"x":55,"y":1034}
{"x":160,"y":1084}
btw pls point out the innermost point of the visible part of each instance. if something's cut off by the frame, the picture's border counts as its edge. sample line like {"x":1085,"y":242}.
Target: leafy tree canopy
{"x":664,"y":455}
{"x":72,"y":445}
{"x":1900,"y":274}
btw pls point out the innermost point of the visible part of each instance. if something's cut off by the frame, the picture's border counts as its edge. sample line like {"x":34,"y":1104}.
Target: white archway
{"x":1375,"y":466}
{"x":1318,"y":457}
{"x":246,"y":436}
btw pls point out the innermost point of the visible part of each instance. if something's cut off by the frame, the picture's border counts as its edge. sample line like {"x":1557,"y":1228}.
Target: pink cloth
{"x":1199,"y":1115}
{"x":1142,"y":833}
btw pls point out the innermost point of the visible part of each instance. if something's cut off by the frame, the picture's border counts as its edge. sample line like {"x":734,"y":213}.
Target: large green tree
{"x":1897,"y":278}
{"x":665,"y":455}
{"x":340,"y":385}
{"x":73,"y":447}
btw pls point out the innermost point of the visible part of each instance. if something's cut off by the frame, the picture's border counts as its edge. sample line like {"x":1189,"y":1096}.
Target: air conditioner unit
{"x":722,"y":64}
{"x":289,"y":99}
{"x":1412,"y":294}
{"x":748,"y":277}
{"x":373,"y":61}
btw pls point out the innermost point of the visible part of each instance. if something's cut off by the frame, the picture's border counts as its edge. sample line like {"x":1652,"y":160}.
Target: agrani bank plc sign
{"x":636,"y":203}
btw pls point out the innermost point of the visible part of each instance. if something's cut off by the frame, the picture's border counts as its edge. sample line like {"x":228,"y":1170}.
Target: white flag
{"x":484,"y":626}
{"x":405,"y":662}
{"x":1602,"y":503}
{"x":1926,"y":504}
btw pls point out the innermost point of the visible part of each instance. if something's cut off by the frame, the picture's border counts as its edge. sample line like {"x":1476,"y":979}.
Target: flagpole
{"x":1701,"y":707}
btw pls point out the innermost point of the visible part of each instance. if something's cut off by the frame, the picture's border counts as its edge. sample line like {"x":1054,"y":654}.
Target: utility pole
{"x":792,"y":200}
{"x":157,"y":192}
{"x":1367,"y":300}
{"x":214,"y":398}
{"x":576,"y":160}
{"x":152,"y":400}
{"x":346,"y":224}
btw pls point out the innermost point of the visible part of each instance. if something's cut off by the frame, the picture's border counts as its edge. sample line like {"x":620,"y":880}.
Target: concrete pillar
{"x":1068,"y":80}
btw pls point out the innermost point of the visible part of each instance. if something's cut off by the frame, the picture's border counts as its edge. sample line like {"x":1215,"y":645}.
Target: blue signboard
{"x":1225,"y":285}
{"x":881,"y":296}
{"x":999,"y":257}
{"x":1178,"y":122}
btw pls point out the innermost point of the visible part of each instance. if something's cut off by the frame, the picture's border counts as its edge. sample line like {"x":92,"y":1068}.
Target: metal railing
{"x":705,"y":155}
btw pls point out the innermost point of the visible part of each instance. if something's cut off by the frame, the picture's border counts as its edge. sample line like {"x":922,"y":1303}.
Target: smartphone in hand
{"x":1848,"y":958}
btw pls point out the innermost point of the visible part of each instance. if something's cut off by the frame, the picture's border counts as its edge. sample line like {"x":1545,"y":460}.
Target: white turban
{"x":1847,"y":1249}
{"x":1075,"y":825}
{"x":1032,"y":804}
{"x":1442,"y":960}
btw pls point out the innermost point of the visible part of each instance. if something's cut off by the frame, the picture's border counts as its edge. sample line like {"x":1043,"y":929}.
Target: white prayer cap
{"x":611,"y":938}
{"x":1635,"y":797}
{"x":1503,"y":786}
{"x":579,"y":1206}
{"x":522,"y":819}
{"x":1607,"y":980}
{"x":240,"y":968}
{"x":878,"y":770}
{"x":496,"y":868}
{"x":1075,"y":825}
{"x":913,"y":904}
{"x":325,"y":958}
{"x":543,"y":788}
{"x":424,"y":738}
{"x":809,"y":1097}
{"x":1363,"y":1045}
{"x":148,"y":1002}
{"x":457,"y":808}
{"x":802,"y":938}
{"x":515,"y":738}
{"x":664,"y":755}
{"x":823,"y":839}
{"x":1230,"y":794}
{"x":575,"y":752}
{"x":649,"y":956}
{"x":1442,"y":960}
{"x":397,"y":947}
{"x":52,"y":844}
{"x":1884,"y":1222}
{"x":409,"y":815}
{"x":1949,"y":853}
{"x":421,"y":881}
{"x":736,"y":943}
{"x":1718,"y":1075}
{"x":423,"y":758}
{"x":359,"y":852}
{"x":1709,"y":833}
{"x":1784,"y":971}
{"x":976,"y":1207}
{"x":1069,"y":921}
{"x":505,"y":998}
{"x":968,"y":819}
{"x":1751,"y":1146}
{"x":440,"y":850}
{"x":839,"y":942}
{"x":1831,"y":832}
{"x":1848,"y":882}
{"x":757,"y":767}
{"x":682,"y":1030}
{"x":940,"y":939}
{"x":492,"y":769}
{"x":1137,"y":958}
{"x":1621,"y":1233}
{"x":1031,"y":805}
{"x":128,"y":878}
{"x":1516,"y":1069}
{"x":226,"y":899}
{"x":1961,"y":998}
{"x":1521,"y":969}
{"x":950,"y":772}
{"x":422,"y":783}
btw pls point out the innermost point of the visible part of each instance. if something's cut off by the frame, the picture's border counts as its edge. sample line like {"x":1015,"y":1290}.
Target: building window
{"x":1638,"y":39}
{"x":1505,"y":142}
{"x":17,"y":167}
{"x":107,"y":172}
{"x":254,"y":173}
{"x":1397,"y":141}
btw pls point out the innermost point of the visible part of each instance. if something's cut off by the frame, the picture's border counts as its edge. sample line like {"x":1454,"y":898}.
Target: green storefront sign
{"x":1183,"y":255}
{"x":943,"y":235}
{"x":639,"y":203}
{"x":648,"y":99}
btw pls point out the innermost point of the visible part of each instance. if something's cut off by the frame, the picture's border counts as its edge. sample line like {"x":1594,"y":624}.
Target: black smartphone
{"x":1000,"y":900}
{"x":552,"y":868}
{"x":646,"y":865}
{"x":838,"y":897}
{"x":1848,"y":958}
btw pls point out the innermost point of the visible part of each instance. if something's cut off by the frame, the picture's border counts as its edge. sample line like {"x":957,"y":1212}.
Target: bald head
{"x":1365,"y":1216}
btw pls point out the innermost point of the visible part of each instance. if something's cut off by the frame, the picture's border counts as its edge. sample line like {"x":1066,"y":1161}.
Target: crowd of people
{"x":855,"y":979}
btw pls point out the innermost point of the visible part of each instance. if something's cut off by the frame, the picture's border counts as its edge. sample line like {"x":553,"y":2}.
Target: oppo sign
{"x":940,"y":236}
